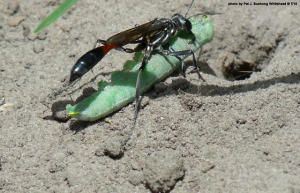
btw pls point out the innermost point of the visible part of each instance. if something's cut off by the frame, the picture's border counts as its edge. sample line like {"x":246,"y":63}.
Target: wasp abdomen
{"x":89,"y":60}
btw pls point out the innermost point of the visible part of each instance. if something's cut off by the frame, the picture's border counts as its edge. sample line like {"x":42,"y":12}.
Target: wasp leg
{"x":138,"y":41}
{"x":139,"y":80}
{"x":182,"y":71}
{"x":99,"y":41}
{"x":177,"y":54}
{"x":127,"y":50}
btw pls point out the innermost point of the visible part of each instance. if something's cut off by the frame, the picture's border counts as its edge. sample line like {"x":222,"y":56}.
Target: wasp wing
{"x":133,"y":34}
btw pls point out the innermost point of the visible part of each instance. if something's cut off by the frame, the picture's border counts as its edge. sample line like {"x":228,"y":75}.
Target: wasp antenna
{"x":205,"y":13}
{"x":189,"y":8}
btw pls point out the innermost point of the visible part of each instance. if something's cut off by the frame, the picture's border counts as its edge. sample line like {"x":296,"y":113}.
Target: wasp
{"x":149,"y":37}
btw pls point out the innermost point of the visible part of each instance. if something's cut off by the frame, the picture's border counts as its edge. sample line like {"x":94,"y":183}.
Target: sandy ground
{"x":237,"y":132}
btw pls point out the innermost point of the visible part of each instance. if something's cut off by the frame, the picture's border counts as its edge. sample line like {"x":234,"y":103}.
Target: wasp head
{"x":182,"y":23}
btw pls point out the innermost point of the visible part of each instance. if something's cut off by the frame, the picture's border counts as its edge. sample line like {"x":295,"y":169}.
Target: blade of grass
{"x":55,"y":14}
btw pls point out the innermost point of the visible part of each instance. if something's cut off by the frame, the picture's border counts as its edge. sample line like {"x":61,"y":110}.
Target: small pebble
{"x":38,"y":48}
{"x":16,"y":21}
{"x":13,"y":7}
{"x":26,"y":30}
{"x":6,"y":107}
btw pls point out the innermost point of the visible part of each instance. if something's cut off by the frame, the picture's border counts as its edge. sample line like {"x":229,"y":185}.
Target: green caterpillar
{"x":121,"y":90}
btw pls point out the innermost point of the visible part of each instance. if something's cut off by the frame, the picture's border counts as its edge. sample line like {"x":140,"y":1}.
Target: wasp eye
{"x":188,"y":25}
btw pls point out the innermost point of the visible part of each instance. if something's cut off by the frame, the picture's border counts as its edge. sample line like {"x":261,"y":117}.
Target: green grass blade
{"x":55,"y":14}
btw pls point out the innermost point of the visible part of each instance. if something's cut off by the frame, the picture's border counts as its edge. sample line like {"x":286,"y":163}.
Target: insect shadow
{"x":58,"y":108}
{"x":215,"y":90}
{"x":188,"y":87}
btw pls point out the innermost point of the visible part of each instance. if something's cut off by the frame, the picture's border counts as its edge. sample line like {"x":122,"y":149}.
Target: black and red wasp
{"x":152,"y":36}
